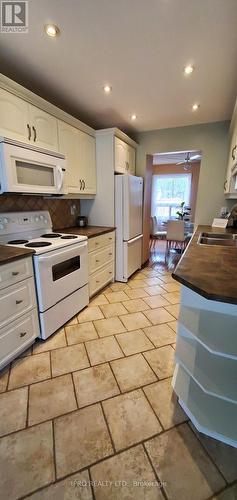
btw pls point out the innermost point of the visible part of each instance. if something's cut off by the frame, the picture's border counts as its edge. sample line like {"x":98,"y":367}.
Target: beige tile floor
{"x":90,"y":413}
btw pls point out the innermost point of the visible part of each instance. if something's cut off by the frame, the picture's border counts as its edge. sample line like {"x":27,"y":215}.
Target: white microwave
{"x":27,"y":169}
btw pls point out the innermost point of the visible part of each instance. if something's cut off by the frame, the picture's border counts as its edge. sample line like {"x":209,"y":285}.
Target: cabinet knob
{"x":22,"y":334}
{"x":18,"y":302}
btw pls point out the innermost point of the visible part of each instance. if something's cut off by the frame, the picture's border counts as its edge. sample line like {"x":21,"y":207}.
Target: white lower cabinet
{"x":19,"y":323}
{"x":101,"y":261}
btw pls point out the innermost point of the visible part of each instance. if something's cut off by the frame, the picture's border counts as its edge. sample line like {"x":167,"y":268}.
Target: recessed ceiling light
{"x":195,"y":107}
{"x":107,"y":89}
{"x":51,"y":30}
{"x":188,"y":69}
{"x":133,"y":117}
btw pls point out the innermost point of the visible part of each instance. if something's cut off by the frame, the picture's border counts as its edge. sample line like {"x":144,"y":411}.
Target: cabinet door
{"x":232,"y":157}
{"x":87,"y":163}
{"x":131,"y":160}
{"x":44,"y":129}
{"x":121,"y":156}
{"x":13,"y":117}
{"x":69,"y":146}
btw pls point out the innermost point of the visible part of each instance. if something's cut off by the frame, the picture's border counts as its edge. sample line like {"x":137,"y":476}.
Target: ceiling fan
{"x":188,"y":160}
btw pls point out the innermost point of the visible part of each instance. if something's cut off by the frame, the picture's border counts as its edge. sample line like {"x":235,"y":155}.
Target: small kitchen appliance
{"x":82,"y":221}
{"x":60,"y":265}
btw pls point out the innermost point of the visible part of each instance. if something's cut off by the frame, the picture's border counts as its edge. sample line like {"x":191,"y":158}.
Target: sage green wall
{"x":212,"y":140}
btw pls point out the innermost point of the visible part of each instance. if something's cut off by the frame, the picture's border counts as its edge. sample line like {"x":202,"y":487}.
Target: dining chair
{"x":176,"y":237}
{"x":156,"y":233}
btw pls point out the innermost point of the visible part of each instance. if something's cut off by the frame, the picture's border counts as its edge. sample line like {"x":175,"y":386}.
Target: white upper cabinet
{"x":44,"y":131}
{"x":79,"y":149}
{"x":124,"y":157}
{"x":14,"y":114}
{"x":232,"y":159}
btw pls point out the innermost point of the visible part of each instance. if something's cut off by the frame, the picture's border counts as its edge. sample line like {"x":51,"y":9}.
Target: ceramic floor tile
{"x":72,"y":321}
{"x":54,"y":342}
{"x":154,"y":290}
{"x":98,"y":300}
{"x":69,"y":359}
{"x":166,"y":278}
{"x":161,"y":360}
{"x":111,"y":310}
{"x":164,"y":402}
{"x":81,"y":438}
{"x":171,"y":287}
{"x":109,"y":326}
{"x":26,"y":461}
{"x":73,"y":487}
{"x":130,"y":419}
{"x":4,"y":374}
{"x":102,"y":350}
{"x":137,"y":284}
{"x":28,"y":370}
{"x":138,"y":293}
{"x":116,"y":297}
{"x":89,"y":314}
{"x":134,"y":342}
{"x":51,"y":398}
{"x":160,"y":335}
{"x":228,"y":494}
{"x":132,"y":467}
{"x":153,"y":281}
{"x":94,"y":384}
{"x":156,"y":301}
{"x":183,"y":465}
{"x":119,"y":287}
{"x":172,"y":297}
{"x":135,"y":305}
{"x":132,"y":372}
{"x":150,"y":273}
{"x":158,"y":316}
{"x":13,"y":410}
{"x":134,"y":321}
{"x":174,"y":310}
{"x":174,"y":326}
{"x":80,"y":333}
{"x":224,"y":456}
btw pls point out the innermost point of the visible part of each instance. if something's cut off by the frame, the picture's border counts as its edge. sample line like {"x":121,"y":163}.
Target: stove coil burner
{"x":69,"y":237}
{"x":38,"y":244}
{"x":51,"y":235}
{"x":17,"y":242}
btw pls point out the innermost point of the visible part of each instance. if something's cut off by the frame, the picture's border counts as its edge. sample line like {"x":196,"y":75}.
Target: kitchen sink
{"x":218,"y":239}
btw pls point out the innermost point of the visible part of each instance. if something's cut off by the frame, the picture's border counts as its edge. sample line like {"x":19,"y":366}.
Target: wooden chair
{"x":176,"y":237}
{"x":155,"y":233}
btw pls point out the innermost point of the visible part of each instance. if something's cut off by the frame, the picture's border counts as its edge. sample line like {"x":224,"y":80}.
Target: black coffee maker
{"x":232,"y":219}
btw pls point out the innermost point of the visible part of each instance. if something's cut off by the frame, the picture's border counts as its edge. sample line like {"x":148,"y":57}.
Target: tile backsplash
{"x":59,"y":209}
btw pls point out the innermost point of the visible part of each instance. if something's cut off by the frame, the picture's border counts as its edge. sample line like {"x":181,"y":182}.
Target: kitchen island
{"x":205,"y":377}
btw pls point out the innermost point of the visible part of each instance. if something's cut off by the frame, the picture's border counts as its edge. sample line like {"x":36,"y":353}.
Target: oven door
{"x":26,"y":170}
{"x":60,"y":273}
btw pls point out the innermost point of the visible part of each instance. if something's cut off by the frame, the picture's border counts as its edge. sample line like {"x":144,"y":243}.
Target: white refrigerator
{"x":128,"y":223}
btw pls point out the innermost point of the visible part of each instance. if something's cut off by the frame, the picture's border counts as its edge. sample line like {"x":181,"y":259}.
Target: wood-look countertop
{"x":211,"y":270}
{"x":8,"y":254}
{"x":89,"y":231}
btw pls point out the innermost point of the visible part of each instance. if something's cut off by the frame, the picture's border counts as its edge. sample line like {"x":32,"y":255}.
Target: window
{"x":168,"y":192}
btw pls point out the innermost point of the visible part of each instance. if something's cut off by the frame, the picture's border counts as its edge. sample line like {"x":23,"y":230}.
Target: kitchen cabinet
{"x":124,"y":157}
{"x":101,"y":261}
{"x":79,"y":149}
{"x":13,"y":117}
{"x":232,"y":158}
{"x":43,"y":128}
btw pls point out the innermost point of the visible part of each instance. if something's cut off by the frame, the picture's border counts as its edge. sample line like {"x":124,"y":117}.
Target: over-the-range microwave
{"x":28,"y":169}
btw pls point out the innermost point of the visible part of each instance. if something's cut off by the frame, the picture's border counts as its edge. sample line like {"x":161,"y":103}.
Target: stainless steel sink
{"x":218,"y":239}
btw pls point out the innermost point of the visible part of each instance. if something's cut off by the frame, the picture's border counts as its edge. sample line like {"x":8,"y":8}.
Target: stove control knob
{"x":45,"y":221}
{"x":41,"y":217}
{"x":36,"y":219}
{"x":5,"y":220}
{"x":1,"y":226}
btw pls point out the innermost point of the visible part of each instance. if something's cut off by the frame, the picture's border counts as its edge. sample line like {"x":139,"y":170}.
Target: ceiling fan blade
{"x":195,"y":157}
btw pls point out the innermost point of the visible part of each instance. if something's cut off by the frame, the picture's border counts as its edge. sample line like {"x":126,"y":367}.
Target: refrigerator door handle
{"x":129,"y":242}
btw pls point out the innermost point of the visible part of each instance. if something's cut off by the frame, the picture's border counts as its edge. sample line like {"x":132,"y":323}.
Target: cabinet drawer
{"x":100,"y":258}
{"x":16,"y":300}
{"x":101,"y":241}
{"x":101,"y":278}
{"x":17,"y":336}
{"x":15,"y":271}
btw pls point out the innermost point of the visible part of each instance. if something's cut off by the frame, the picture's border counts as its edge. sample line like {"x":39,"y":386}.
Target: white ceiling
{"x":139,"y":47}
{"x":173,"y":158}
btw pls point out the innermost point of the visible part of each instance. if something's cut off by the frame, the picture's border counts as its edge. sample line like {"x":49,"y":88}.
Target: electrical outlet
{"x":73,"y":209}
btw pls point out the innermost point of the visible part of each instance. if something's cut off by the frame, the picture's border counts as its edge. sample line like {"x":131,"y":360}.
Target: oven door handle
{"x":60,"y":176}
{"x":67,"y":253}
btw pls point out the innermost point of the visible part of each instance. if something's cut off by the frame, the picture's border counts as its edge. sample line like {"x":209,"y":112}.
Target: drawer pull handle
{"x":96,"y":243}
{"x":97,"y":281}
{"x":97,"y":260}
{"x":22,"y":334}
{"x":110,"y":253}
{"x":110,"y":272}
{"x":18,"y":302}
{"x":110,"y":238}
{"x":15,"y":273}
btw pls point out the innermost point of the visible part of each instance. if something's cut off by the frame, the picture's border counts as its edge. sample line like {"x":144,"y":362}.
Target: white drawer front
{"x":16,"y":300}
{"x":16,"y":337}
{"x":101,"y":278}
{"x":101,"y":241}
{"x":15,"y":271}
{"x":100,"y":258}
